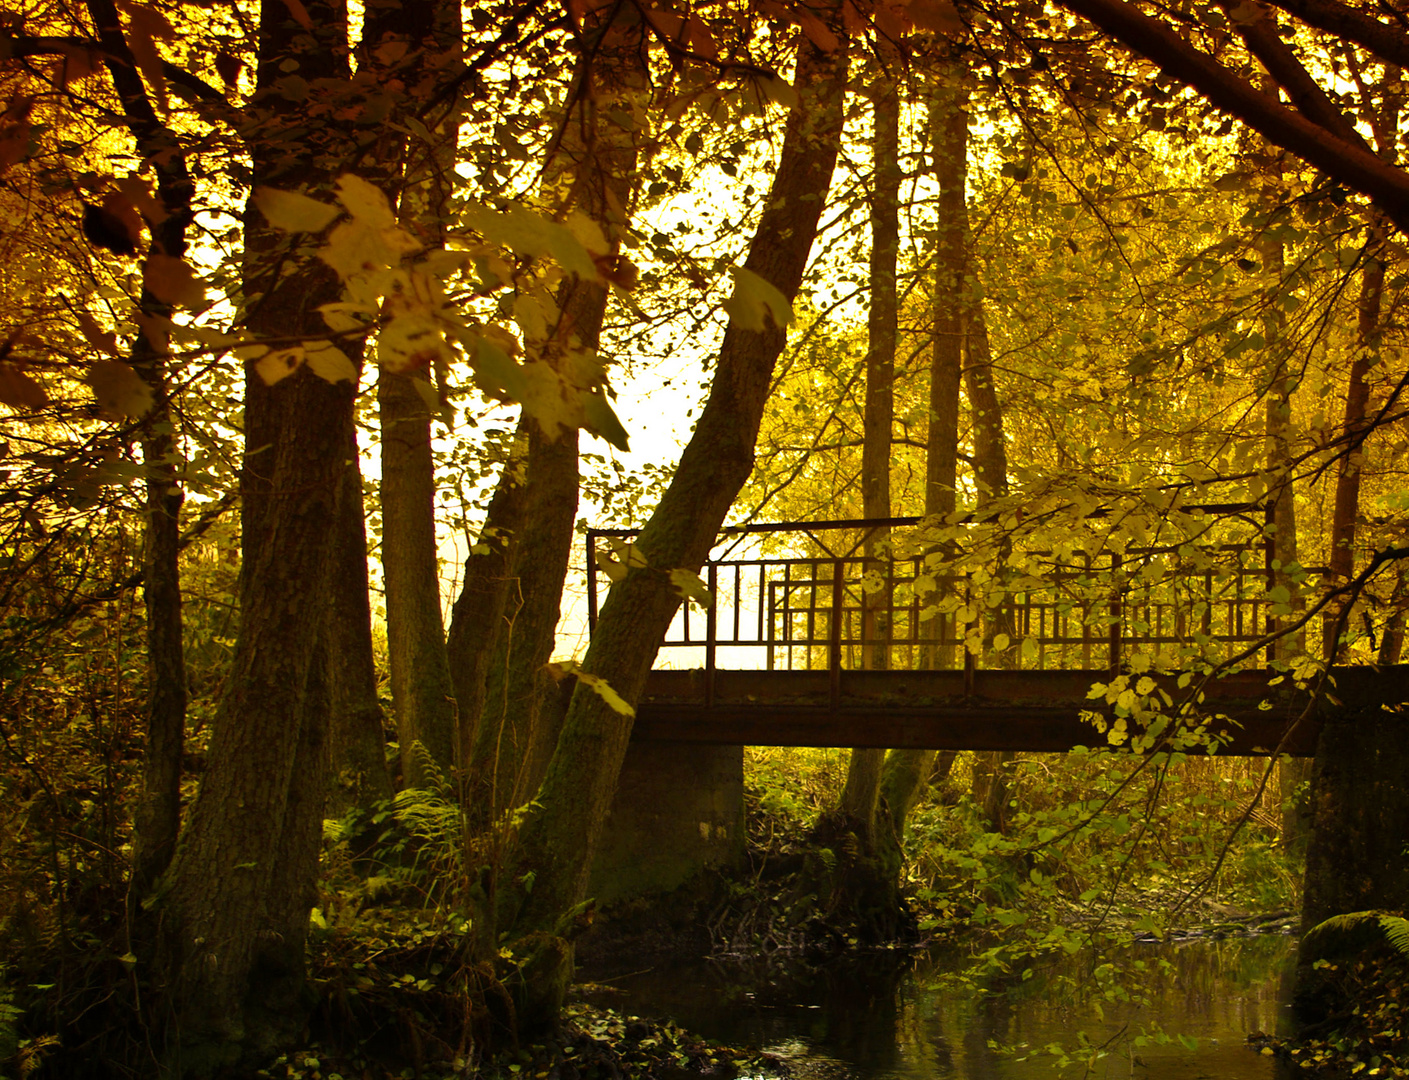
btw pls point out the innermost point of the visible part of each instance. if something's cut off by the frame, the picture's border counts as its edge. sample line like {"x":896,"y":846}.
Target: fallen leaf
{"x":300,"y":13}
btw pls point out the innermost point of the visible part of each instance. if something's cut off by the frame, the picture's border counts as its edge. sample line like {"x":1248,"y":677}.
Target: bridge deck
{"x":876,"y":634}
{"x":1007,"y":710}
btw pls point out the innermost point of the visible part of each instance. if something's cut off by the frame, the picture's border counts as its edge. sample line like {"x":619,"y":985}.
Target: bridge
{"x":975,"y":636}
{"x":868,"y":633}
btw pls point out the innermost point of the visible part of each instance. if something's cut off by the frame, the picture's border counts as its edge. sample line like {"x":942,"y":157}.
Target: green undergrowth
{"x":1364,"y":1029}
{"x":1095,"y":848}
{"x":591,"y":1043}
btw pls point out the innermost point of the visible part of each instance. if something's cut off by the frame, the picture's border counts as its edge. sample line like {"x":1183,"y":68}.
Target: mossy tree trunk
{"x":559,"y":833}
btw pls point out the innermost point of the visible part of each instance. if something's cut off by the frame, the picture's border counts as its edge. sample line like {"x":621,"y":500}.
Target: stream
{"x":884,"y":1016}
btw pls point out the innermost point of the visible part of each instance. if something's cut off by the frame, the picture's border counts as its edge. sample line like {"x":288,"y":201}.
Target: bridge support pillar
{"x":679,"y":810}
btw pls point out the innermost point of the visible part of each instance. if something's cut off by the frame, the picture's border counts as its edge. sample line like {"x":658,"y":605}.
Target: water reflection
{"x":882,"y":1017}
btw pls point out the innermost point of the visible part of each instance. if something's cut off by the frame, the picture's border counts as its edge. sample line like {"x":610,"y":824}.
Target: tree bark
{"x":591,"y":170}
{"x":237,"y":895}
{"x":861,"y":794}
{"x":478,"y":613}
{"x":560,"y":831}
{"x":1354,"y":429}
{"x":157,"y":816}
{"x":905,"y":770}
{"x":357,"y":740}
{"x":422,"y":691}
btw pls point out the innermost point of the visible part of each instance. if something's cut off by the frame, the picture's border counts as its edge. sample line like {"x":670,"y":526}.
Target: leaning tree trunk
{"x":234,"y":912}
{"x":591,"y":170}
{"x":559,"y":833}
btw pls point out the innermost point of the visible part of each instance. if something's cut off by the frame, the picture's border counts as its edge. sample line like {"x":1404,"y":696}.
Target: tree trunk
{"x":510,"y":750}
{"x":421,"y":691}
{"x":157,"y":816}
{"x":478,"y":613}
{"x":559,"y":833}
{"x":357,"y":739}
{"x":592,"y":170}
{"x":906,"y":770}
{"x":861,"y":794}
{"x":239,"y":888}
{"x":1354,"y":429}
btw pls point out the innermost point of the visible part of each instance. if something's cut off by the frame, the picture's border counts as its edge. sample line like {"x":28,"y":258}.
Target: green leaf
{"x":292,"y":211}
{"x":526,"y":233}
{"x":596,"y":683}
{"x":689,"y":586}
{"x":603,"y":422}
{"x":329,"y":362}
{"x":753,"y":299}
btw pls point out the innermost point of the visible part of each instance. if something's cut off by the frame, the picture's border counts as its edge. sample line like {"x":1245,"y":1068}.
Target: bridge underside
{"x":978,"y":710}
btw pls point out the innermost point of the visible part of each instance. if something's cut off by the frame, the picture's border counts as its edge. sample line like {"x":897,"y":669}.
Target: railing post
{"x":834,"y":635}
{"x":711,"y":633}
{"x":591,"y":580}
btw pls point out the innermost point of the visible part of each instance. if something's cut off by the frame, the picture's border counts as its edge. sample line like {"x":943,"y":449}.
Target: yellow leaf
{"x":329,"y":362}
{"x":119,"y":390}
{"x":172,"y":281}
{"x":292,"y":211}
{"x":20,"y":391}
{"x":279,"y":364}
{"x":104,"y":341}
{"x":755,"y":300}
{"x":689,"y":586}
{"x":365,"y":201}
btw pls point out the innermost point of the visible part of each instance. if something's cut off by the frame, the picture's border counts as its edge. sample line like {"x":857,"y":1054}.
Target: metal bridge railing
{"x":807,"y":596}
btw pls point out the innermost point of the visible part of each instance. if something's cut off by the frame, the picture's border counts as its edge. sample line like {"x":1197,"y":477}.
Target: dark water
{"x":884,"y":1017}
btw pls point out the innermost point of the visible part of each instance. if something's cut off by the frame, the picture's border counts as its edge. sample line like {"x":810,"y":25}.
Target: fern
{"x":1396,"y":929}
{"x":1354,"y":932}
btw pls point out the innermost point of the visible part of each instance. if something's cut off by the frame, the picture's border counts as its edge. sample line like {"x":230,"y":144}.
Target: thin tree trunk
{"x":157,"y":816}
{"x":905,"y":771}
{"x":422,"y":691}
{"x":559,"y":833}
{"x":1354,"y":428}
{"x":357,"y":741}
{"x":478,"y":613}
{"x":861,"y":794}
